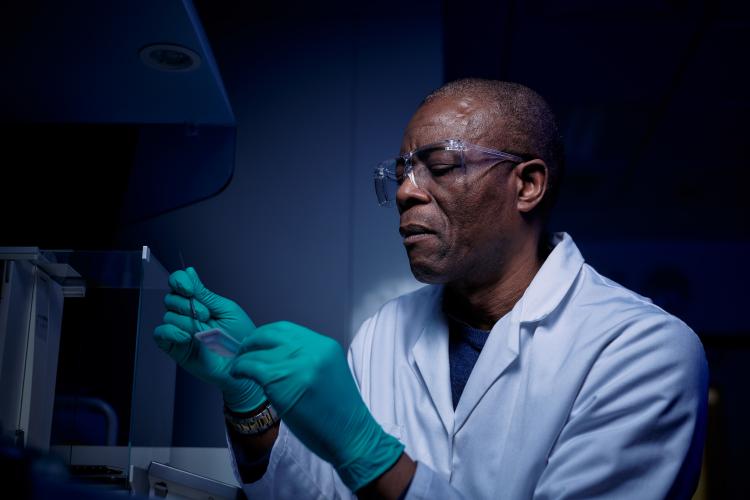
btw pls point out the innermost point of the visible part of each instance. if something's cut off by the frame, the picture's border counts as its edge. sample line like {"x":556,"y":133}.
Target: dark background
{"x":651,"y":97}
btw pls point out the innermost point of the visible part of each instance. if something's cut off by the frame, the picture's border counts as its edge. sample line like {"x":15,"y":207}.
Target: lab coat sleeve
{"x":294,"y":472}
{"x":636,"y":428}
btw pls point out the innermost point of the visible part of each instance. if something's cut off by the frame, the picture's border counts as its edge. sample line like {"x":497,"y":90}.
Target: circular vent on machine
{"x":170,"y":57}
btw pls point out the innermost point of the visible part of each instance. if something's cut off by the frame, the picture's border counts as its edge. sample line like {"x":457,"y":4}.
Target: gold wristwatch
{"x":252,"y":425}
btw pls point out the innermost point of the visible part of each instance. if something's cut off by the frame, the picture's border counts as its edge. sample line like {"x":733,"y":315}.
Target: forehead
{"x":445,"y":118}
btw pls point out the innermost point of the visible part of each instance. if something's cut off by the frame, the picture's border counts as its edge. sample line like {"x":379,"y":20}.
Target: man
{"x":520,"y":373}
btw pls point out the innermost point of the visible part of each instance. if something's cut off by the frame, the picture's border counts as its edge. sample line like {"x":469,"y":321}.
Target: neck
{"x":482,"y":304}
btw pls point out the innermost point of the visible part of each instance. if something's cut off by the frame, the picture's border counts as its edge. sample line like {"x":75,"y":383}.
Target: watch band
{"x":255,"y":424}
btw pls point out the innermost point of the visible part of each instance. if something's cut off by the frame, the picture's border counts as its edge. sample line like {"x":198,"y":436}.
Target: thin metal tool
{"x":192,"y":306}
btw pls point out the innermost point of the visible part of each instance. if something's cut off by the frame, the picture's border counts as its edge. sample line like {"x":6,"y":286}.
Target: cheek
{"x":464,"y":225}
{"x":477,"y":216}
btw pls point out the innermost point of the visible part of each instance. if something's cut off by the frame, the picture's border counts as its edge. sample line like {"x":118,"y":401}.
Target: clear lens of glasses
{"x":437,"y":164}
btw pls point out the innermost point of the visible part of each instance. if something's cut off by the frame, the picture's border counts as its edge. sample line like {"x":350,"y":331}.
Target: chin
{"x":430,"y":275}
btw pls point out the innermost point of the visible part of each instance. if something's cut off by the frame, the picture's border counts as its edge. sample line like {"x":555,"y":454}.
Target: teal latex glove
{"x":307,"y":379}
{"x":175,"y":337}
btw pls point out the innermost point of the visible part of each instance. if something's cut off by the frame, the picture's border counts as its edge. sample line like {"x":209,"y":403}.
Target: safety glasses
{"x":434,"y":166}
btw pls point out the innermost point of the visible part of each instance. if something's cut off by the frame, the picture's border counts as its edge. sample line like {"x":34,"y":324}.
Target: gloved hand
{"x":175,"y":337}
{"x":307,"y":379}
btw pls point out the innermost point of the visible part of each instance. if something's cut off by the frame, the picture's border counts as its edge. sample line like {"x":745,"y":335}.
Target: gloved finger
{"x":175,"y":342}
{"x":216,"y":304}
{"x":182,"y":283}
{"x":257,"y":365}
{"x":201,"y":292}
{"x":264,"y":337}
{"x":170,"y":333}
{"x":184,"y":323}
{"x":181,"y":305}
{"x":261,"y":366}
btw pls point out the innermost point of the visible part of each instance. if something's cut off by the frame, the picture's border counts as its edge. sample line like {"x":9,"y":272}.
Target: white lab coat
{"x":591,"y":391}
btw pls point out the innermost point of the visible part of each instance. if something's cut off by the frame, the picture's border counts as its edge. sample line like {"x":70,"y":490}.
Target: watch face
{"x":255,"y":424}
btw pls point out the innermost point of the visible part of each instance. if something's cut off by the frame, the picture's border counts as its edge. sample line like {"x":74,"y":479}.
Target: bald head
{"x":511,"y":117}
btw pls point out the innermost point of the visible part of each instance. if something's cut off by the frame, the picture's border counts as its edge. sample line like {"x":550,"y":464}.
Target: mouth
{"x":414,"y":232}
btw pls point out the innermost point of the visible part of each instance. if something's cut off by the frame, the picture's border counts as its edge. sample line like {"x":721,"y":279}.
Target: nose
{"x":409,"y":193}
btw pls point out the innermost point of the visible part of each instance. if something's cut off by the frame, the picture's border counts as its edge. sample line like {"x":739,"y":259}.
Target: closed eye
{"x":442,"y":168}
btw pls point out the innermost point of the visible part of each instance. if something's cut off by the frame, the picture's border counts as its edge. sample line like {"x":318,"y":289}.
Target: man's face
{"x":460,"y":234}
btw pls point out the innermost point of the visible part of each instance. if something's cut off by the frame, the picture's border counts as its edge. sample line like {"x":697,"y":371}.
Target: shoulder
{"x":617,"y":306}
{"x":409,"y":306}
{"x":397,"y":315}
{"x":415,"y":300}
{"x":628,"y":382}
{"x":634,"y":334}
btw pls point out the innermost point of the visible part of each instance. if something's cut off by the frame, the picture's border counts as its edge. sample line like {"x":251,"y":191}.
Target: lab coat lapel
{"x":500,"y":350}
{"x":431,"y":358}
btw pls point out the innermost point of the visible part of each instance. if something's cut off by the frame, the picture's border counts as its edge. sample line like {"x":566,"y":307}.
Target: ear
{"x":531,"y":182}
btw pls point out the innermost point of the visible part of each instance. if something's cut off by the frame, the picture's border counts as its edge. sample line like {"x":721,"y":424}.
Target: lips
{"x":414,"y":232}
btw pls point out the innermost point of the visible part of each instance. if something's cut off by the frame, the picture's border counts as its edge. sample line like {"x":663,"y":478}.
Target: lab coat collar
{"x":553,"y":281}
